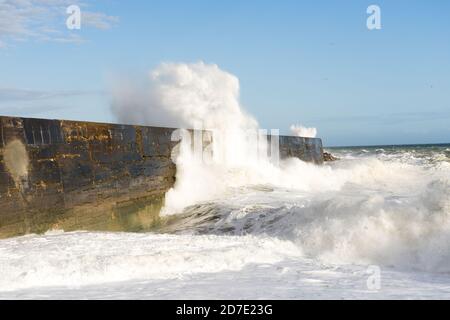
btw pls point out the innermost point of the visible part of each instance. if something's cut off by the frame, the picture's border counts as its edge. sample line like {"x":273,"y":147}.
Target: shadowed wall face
{"x":92,"y":176}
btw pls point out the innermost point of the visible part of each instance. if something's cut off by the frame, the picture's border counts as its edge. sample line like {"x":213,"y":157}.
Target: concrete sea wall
{"x":73,"y":175}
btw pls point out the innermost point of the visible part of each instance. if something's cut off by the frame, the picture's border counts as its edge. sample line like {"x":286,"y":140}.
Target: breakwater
{"x":75,"y":175}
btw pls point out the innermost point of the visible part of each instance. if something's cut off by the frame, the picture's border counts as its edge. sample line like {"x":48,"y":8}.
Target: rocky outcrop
{"x":327,"y":157}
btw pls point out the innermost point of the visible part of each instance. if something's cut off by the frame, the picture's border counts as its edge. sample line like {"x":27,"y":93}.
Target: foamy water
{"x":266,"y":241}
{"x":244,"y":227}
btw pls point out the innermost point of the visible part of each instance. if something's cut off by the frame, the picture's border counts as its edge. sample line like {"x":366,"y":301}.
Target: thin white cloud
{"x":31,"y":110}
{"x":13,"y":94}
{"x":98,"y":20}
{"x":45,"y":20}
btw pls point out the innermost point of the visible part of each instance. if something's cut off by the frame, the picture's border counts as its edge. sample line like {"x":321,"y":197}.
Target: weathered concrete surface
{"x":306,"y":149}
{"x":82,"y":175}
{"x":74,"y":175}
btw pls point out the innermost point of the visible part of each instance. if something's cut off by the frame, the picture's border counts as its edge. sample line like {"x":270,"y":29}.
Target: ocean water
{"x":373,"y":225}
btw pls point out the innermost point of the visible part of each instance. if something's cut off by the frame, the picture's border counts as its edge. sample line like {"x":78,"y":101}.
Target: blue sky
{"x":313,"y":63}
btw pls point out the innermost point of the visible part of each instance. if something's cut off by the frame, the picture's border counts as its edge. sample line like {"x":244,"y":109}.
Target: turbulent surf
{"x":236,"y":228}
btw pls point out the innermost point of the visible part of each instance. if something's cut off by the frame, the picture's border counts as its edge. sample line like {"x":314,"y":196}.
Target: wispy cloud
{"x":98,"y":20}
{"x":13,"y":94}
{"x":32,"y":110}
{"x":45,"y":20}
{"x":27,"y":102}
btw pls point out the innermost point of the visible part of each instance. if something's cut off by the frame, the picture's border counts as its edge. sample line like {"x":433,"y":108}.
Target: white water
{"x":250,"y":229}
{"x":301,"y":131}
{"x":262,"y":241}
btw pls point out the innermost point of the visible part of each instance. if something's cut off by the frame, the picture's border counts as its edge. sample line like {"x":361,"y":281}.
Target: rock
{"x":329,"y":157}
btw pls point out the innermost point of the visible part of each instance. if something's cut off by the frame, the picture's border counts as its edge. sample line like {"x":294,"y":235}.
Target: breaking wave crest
{"x":364,"y":211}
